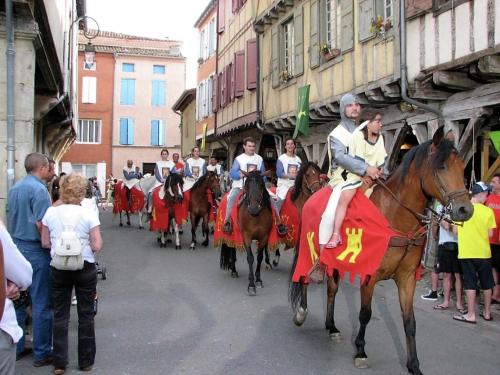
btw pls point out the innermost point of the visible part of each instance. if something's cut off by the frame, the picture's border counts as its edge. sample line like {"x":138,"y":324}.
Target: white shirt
{"x":214,"y":168}
{"x":247,"y":163}
{"x":291,"y":166}
{"x":19,"y":271}
{"x":196,"y":167}
{"x":68,"y":214}
{"x":445,"y":235}
{"x":91,"y":204}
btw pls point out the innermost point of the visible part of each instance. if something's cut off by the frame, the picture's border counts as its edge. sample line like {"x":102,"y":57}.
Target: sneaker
{"x":432,"y":296}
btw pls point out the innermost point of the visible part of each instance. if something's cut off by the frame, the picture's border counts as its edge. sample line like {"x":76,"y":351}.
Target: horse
{"x":144,"y":185}
{"x":200,"y":206}
{"x":308,"y":181}
{"x":430,"y":170}
{"x":171,"y":201}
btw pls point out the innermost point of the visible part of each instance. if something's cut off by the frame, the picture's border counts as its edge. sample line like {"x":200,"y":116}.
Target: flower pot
{"x":331,"y":54}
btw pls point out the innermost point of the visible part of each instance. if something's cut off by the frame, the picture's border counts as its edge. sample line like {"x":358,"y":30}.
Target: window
{"x":387,"y":9}
{"x":157,"y":133}
{"x":441,"y":6}
{"x":212,"y":43}
{"x":288,"y":48}
{"x":159,"y":69}
{"x":88,"y":131}
{"x":126,"y":131}
{"x":85,"y":170}
{"x":332,"y":13}
{"x":158,"y":94}
{"x":201,"y":51}
{"x":375,"y":19}
{"x":128,"y":68}
{"x":127,"y":96}
{"x":89,"y":87}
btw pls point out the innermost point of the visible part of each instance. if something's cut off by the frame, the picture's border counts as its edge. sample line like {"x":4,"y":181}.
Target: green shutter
{"x":347,"y":25}
{"x":314,"y":34}
{"x":275,"y":52}
{"x":298,"y":30}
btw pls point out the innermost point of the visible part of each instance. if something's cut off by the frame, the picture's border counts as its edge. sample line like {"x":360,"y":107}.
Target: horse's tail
{"x":294,"y":288}
{"x":225,"y":257}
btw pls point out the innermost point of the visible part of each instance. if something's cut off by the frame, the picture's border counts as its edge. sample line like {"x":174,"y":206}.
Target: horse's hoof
{"x":169,"y":240}
{"x":121,"y":224}
{"x":181,"y":232}
{"x":128,"y":223}
{"x":361,"y":363}
{"x":178,"y":247}
{"x":158,"y":240}
{"x":192,"y":246}
{"x":252,"y":291}
{"x":269,"y":267}
{"x":141,"y":227}
{"x":205,"y":243}
{"x":259,"y":284}
{"x":234,"y":274}
{"x":275,"y":263}
{"x":300,"y":316}
{"x":335,"y":336}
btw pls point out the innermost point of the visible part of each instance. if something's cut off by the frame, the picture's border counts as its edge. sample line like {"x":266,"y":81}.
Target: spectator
{"x":18,"y":273}
{"x":475,"y":254}
{"x":88,"y":201}
{"x":86,"y":225}
{"x":448,"y":265}
{"x":493,"y":202}
{"x":430,"y":262}
{"x":28,"y":201}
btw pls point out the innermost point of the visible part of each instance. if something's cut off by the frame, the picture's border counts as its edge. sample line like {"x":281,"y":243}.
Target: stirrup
{"x":282,"y":229}
{"x":228,"y":228}
{"x":333,"y":243}
{"x":317,"y":273}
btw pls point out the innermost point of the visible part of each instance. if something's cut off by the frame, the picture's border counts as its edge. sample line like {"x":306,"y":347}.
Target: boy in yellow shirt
{"x":474,"y":254}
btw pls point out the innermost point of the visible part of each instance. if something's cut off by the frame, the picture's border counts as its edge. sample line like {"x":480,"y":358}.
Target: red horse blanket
{"x":291,"y":218}
{"x":185,"y":206}
{"x":235,"y":239}
{"x":121,"y":202}
{"x":160,"y":214}
{"x":365,"y":236}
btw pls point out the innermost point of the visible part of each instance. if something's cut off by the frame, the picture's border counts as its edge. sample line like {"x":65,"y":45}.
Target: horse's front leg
{"x":232,"y":263}
{"x":406,"y":290}
{"x":194,"y":225}
{"x":365,"y":314}
{"x":252,"y":290}
{"x":266,"y":259}
{"x":260,"y":256}
{"x":140,"y":220}
{"x":177,"y":237}
{"x":162,"y":239}
{"x":276,"y":260}
{"x":121,"y":223}
{"x":332,"y":288}
{"x":128,"y":217}
{"x":204,"y":227}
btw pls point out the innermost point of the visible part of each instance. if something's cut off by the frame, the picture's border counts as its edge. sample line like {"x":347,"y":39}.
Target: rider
{"x":179,"y":165}
{"x":131,"y":178}
{"x":214,"y":166}
{"x":343,"y":164}
{"x":164,"y":167}
{"x":195,"y":165}
{"x":287,"y":167}
{"x":247,"y":161}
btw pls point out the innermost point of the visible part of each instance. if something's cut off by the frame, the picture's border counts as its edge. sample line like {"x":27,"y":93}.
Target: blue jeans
{"x":231,"y":198}
{"x":40,"y":300}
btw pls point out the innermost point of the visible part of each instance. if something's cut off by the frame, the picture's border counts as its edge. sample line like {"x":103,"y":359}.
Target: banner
{"x":302,"y":123}
{"x":495,"y":139}
{"x":204,"y":138}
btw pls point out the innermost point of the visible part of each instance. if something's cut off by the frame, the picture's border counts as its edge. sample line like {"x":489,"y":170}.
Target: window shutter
{"x":215,"y":89}
{"x":298,"y":35}
{"x":314,"y":35}
{"x":239,"y":62}
{"x":347,"y":26}
{"x":123,"y":93}
{"x":366,"y":15}
{"x":154,"y":93}
{"x":232,"y":72}
{"x":223,"y":87}
{"x":221,"y":17}
{"x":154,"y":132}
{"x":234,"y":6}
{"x":123,"y":131}
{"x":220,"y":91}
{"x":417,"y":7}
{"x":275,"y":52}
{"x":251,"y":64}
{"x":130,"y":131}
{"x":161,"y":133}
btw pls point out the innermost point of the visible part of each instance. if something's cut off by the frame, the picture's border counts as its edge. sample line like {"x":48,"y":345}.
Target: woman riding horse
{"x":430,"y":170}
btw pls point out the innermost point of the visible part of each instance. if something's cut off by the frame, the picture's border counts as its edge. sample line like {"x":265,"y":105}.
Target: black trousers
{"x":84,"y":281}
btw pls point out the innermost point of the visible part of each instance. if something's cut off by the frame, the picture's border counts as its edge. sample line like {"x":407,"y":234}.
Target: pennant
{"x":302,"y":123}
{"x":495,"y":139}
{"x":204,"y":138}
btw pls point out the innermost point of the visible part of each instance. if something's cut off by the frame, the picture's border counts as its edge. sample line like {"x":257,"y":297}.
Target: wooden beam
{"x":485,"y":158}
{"x":489,"y":65}
{"x":391,"y":91}
{"x":426,"y":91}
{"x":395,"y":148}
{"x":470,"y":135}
{"x":454,"y":80}
{"x":484,"y":96}
{"x":492,"y":170}
{"x":375,"y":95}
{"x":420,"y":131}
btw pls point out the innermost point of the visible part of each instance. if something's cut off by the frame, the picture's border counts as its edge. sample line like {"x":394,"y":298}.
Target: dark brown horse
{"x":430,"y":170}
{"x":200,"y":206}
{"x":172,"y":198}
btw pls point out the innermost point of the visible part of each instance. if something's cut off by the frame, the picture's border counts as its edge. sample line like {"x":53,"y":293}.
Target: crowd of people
{"x":49,"y":250}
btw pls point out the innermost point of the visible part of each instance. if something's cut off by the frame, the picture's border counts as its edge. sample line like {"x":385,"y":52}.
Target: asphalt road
{"x":163,"y":311}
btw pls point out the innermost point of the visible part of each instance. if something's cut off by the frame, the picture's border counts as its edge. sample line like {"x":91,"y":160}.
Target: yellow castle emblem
{"x":354,"y":246}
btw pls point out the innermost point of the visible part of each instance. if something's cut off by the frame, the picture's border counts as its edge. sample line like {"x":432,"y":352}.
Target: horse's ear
{"x":438,"y":136}
{"x":266,"y":173}
{"x":244,"y":173}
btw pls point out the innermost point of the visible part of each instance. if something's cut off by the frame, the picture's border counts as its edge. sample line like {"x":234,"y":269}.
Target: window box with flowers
{"x":285,"y":76}
{"x":380,"y":26}
{"x":329,"y":53}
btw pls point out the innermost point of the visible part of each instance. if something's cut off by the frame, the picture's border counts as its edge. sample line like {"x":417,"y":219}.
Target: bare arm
{"x":95,"y":239}
{"x":45,"y":237}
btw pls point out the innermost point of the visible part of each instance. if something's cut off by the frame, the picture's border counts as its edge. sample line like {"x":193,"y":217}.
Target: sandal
{"x":484,"y":317}
{"x":335,"y":241}
{"x":440,"y":307}
{"x":462,"y":311}
{"x":463,"y":318}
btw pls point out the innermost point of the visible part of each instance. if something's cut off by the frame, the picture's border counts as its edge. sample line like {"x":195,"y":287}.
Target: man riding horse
{"x":131,"y":178}
{"x":287,"y":167}
{"x":248,"y":161}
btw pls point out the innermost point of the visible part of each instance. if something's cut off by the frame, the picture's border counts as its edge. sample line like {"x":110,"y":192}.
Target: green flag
{"x":495,"y":139}
{"x":302,"y":123}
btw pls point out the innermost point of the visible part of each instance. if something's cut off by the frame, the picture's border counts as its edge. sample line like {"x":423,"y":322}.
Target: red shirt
{"x":179,"y":166}
{"x":493,"y":202}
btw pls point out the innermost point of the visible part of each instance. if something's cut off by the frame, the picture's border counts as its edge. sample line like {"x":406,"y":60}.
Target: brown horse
{"x":308,"y":181}
{"x":430,"y":170}
{"x":200,"y":206}
{"x":172,"y":190}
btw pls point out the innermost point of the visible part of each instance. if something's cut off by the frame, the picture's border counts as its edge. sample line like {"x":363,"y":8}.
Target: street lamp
{"x":89,"y":50}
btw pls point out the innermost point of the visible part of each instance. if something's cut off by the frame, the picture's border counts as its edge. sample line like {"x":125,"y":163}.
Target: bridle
{"x":309,"y":187}
{"x":246,"y":198}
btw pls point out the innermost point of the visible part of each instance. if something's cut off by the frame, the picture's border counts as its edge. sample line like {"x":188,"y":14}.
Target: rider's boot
{"x":281,"y":228}
{"x":228,"y":227}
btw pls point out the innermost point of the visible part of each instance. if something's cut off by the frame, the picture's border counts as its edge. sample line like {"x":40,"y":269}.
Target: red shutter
{"x":233,"y":80}
{"x":214,"y":93}
{"x":252,"y":64}
{"x":234,"y":6}
{"x":223,"y":89}
{"x":219,"y":90}
{"x":239,"y":68}
{"x":221,"y":16}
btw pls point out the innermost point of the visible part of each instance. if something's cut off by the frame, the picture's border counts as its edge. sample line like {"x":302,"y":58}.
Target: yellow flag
{"x":204,"y":138}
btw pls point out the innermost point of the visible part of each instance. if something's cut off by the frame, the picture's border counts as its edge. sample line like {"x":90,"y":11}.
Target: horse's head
{"x":214,"y":184}
{"x":441,"y":172}
{"x":308,"y":180}
{"x":173,"y":188}
{"x":256,"y":195}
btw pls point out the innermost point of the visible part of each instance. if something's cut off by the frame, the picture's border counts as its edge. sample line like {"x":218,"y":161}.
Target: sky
{"x":154,"y":18}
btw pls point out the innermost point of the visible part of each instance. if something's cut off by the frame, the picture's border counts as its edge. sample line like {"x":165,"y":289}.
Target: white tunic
{"x":291,"y":166}
{"x":196,"y":167}
{"x":215,"y":168}
{"x":129,"y":183}
{"x":247,"y":163}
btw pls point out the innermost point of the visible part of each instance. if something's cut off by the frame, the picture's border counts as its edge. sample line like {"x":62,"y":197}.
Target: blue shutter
{"x":154,"y":93}
{"x":130,"y":132}
{"x":128,"y":67}
{"x":127,"y":95}
{"x":154,"y":132}
{"x":161,"y":93}
{"x":159,"y":69}
{"x":161,"y":132}
{"x":123,"y":131}
{"x":123,"y":92}
{"x":131,"y":91}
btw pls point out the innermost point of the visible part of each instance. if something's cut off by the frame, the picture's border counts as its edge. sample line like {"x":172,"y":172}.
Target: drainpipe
{"x":258,"y":122}
{"x":403,"y":67}
{"x":10,"y":54}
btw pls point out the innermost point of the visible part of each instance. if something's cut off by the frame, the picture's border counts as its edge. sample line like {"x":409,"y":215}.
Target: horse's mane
{"x":201,"y":180}
{"x":255,"y":175}
{"x":419,"y":153}
{"x":174,"y":178}
{"x":297,"y":188}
